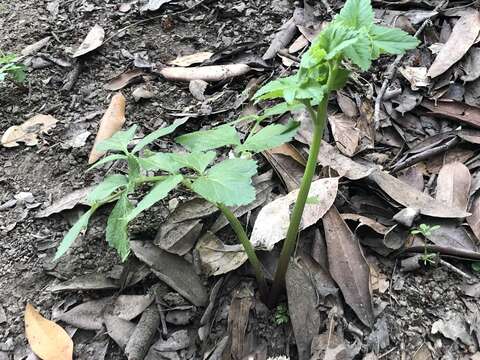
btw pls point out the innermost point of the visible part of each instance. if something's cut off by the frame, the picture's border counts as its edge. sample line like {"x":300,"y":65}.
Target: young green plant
{"x":225,"y":183}
{"x":352,"y":37}
{"x":10,"y":69}
{"x":425,"y":230}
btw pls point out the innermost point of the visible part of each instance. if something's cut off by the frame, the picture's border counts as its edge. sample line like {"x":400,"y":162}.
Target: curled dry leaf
{"x":416,"y":76}
{"x":192,"y":59}
{"x":28,"y":131}
{"x":453,"y":185}
{"x":273,"y":219}
{"x":472,"y":65}
{"x":288,"y":163}
{"x":35,"y":47}
{"x":345,"y":133}
{"x":463,"y":36}
{"x":48,"y":340}
{"x":206,"y":73}
{"x":348,"y":266}
{"x":216,"y":258}
{"x":93,"y":40}
{"x":111,"y":122}
{"x":124,"y":79}
{"x":67,"y":202}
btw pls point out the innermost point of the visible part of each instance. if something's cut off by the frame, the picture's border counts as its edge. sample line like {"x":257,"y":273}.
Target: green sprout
{"x":281,"y":315}
{"x":426,"y":230}
{"x":10,"y":69}
{"x":351,"y":38}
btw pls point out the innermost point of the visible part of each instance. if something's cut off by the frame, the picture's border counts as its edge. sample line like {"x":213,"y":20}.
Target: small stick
{"x":285,"y":53}
{"x":446,"y":251}
{"x":162,"y":319}
{"x":392,"y":71}
{"x":455,"y":269}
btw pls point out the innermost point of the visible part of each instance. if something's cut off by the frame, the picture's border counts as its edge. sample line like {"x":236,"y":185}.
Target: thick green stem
{"x":249,"y":250}
{"x":318,"y":119}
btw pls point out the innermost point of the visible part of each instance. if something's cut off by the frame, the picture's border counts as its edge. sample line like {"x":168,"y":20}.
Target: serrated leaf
{"x":387,"y":40}
{"x":158,"y":134}
{"x":119,"y":141}
{"x":340,"y":77}
{"x":160,"y":161}
{"x":73,"y":233}
{"x":276,"y":88}
{"x":335,"y":38}
{"x":117,"y":227}
{"x":228,"y":182}
{"x":158,"y":192}
{"x":280,"y":109}
{"x":107,"y":159}
{"x":269,"y":137}
{"x":360,"y":53}
{"x":107,"y":187}
{"x":204,"y":140}
{"x":133,"y":168}
{"x":356,"y":14}
{"x":197,"y":161}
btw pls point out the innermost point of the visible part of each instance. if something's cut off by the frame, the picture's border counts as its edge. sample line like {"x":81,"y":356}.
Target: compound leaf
{"x":228,"y":182}
{"x":360,"y":53}
{"x":204,"y":140}
{"x":107,"y":187}
{"x":119,"y":141}
{"x":160,"y":161}
{"x":158,"y":134}
{"x":158,"y":192}
{"x":387,"y":40}
{"x":117,"y":227}
{"x":269,"y":137}
{"x":197,"y":161}
{"x":276,"y":88}
{"x":356,"y":14}
{"x":72,"y":234}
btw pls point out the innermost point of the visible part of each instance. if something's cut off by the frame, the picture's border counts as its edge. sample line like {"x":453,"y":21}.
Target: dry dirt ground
{"x":409,"y":306}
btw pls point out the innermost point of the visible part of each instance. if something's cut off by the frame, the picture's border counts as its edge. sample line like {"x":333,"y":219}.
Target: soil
{"x":53,"y":169}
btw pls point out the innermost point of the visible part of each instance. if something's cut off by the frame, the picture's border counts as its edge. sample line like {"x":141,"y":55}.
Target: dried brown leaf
{"x":124,"y":79}
{"x":348,"y":266}
{"x":92,"y":41}
{"x":453,"y":185}
{"x":345,"y":133}
{"x":111,"y":122}
{"x":67,"y":202}
{"x":462,"y":38}
{"x":474,"y":219}
{"x":28,"y":131}
{"x":191,"y":59}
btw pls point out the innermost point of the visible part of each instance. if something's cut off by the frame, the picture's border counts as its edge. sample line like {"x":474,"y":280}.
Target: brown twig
{"x":392,"y":70}
{"x":445,"y":251}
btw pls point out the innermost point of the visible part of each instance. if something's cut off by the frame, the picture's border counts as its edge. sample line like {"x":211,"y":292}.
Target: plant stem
{"x":249,"y":250}
{"x":318,"y":119}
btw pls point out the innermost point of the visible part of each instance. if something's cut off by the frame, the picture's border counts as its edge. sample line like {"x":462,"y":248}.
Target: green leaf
{"x":269,"y":137}
{"x":197,"y":161}
{"x":158,"y":192}
{"x":387,"y":40}
{"x":276,"y":88}
{"x":160,"y":161}
{"x":117,"y":227}
{"x":360,"y":53}
{"x":356,"y":14}
{"x":210,"y":139}
{"x":476,"y":266}
{"x":107,"y":187}
{"x":119,"y":141}
{"x":280,"y":109}
{"x":228,"y":182}
{"x":335,"y":38}
{"x":72,"y":234}
{"x":107,"y":159}
{"x":158,"y":134}
{"x":340,"y":77}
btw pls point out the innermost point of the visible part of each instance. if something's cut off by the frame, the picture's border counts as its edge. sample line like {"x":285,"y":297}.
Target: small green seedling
{"x":10,"y":69}
{"x":224,"y":183}
{"x":281,"y":315}
{"x":352,"y":37}
{"x":426,"y":230}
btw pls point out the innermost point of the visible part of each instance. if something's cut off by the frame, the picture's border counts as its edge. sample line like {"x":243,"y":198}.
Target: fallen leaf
{"x":474,"y":219}
{"x":124,"y":79}
{"x":35,"y":47}
{"x":454,"y":327}
{"x":347,"y":105}
{"x":119,"y":330}
{"x":216,"y":258}
{"x":416,"y":76}
{"x":453,"y":185}
{"x":173,"y":270}
{"x":288,"y":163}
{"x":197,"y":89}
{"x":93,"y":40}
{"x":67,"y":202}
{"x":176,"y":341}
{"x":48,"y":340}
{"x":472,"y":65}
{"x":451,"y":234}
{"x":111,"y":122}
{"x":300,"y":43}
{"x":142,"y":93}
{"x":348,"y":266}
{"x":206,"y":73}
{"x":332,"y":346}
{"x":463,"y":36}
{"x":154,"y":5}
{"x":272,"y":221}
{"x":28,"y":131}
{"x":345,"y":133}
{"x":94,"y":281}
{"x":302,"y":306}
{"x":412,"y":198}
{"x":192,"y":59}
{"x":144,"y":334}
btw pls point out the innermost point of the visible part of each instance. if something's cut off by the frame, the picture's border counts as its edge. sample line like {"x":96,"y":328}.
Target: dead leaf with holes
{"x":461,"y":39}
{"x":27,"y":133}
{"x":111,"y":122}
{"x":47,"y":339}
{"x":93,"y":40}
